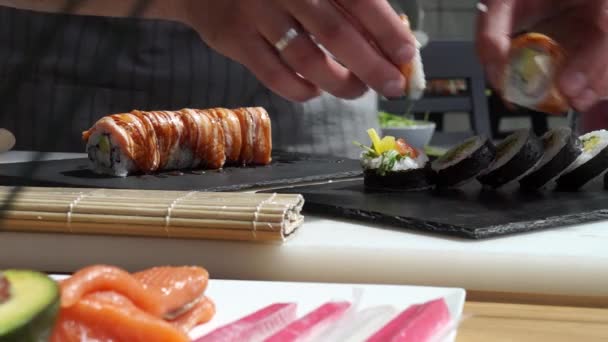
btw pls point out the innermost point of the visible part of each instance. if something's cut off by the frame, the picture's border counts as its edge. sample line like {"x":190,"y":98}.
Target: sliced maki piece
{"x":394,"y":165}
{"x":29,"y":304}
{"x":516,"y":156}
{"x":562,"y":148}
{"x":590,"y":164}
{"x":464,"y":162}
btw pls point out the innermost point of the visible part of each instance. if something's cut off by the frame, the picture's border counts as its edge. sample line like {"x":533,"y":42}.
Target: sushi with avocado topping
{"x":516,"y":156}
{"x":592,"y":162}
{"x":392,"y":164}
{"x":464,"y":162}
{"x":562,"y":148}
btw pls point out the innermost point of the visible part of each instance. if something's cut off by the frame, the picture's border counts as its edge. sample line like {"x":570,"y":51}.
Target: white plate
{"x":235,"y":299}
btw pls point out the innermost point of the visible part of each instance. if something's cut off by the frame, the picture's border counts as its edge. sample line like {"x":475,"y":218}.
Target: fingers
{"x":584,"y":79}
{"x":384,"y":26}
{"x":263,"y":61}
{"x":306,"y":58}
{"x":332,"y":29}
{"x":494,"y":28}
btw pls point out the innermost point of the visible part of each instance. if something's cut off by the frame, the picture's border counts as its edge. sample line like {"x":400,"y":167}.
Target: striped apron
{"x":163,"y":65}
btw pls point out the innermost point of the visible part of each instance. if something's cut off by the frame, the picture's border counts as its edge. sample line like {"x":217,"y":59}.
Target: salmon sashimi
{"x":178,"y":287}
{"x":201,"y":313}
{"x":112,"y":317}
{"x":232,"y":132}
{"x":109,"y":278}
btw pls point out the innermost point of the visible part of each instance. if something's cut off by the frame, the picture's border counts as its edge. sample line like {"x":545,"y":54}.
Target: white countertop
{"x":565,"y":261}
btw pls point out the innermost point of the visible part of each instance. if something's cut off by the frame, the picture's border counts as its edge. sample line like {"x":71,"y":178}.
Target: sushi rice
{"x":593,"y":144}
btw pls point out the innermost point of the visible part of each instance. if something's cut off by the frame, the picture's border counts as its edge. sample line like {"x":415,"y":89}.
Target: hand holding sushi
{"x":274,"y":39}
{"x":570,"y":65}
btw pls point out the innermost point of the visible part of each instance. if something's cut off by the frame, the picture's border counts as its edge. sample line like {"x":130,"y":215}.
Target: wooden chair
{"x":451,"y":60}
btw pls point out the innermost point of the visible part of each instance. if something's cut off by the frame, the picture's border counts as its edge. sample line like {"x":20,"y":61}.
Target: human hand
{"x":579,"y":26}
{"x":367,"y":38}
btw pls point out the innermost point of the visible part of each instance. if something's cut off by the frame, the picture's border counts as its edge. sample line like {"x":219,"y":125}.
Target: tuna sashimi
{"x":178,"y":287}
{"x":310,"y":325}
{"x":419,"y":323}
{"x":109,"y":278}
{"x":256,"y":326}
{"x":201,"y":313}
{"x":360,"y":325}
{"x":111,"y":317}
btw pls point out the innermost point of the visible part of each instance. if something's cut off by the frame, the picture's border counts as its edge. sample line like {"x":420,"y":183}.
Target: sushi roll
{"x":516,"y":156}
{"x":393,"y":165}
{"x":530,"y":77}
{"x":147,"y":142}
{"x":592,"y":162}
{"x":562,"y":148}
{"x":414,"y":71}
{"x":464,"y":162}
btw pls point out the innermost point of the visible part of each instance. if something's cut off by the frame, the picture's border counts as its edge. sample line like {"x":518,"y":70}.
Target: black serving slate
{"x":470,"y":212}
{"x":286,"y":169}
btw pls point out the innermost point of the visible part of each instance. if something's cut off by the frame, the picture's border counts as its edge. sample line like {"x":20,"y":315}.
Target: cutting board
{"x":470,"y":212}
{"x":285,"y":169}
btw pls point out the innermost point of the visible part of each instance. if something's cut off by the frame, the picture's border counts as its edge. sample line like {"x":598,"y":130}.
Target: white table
{"x":570,"y":261}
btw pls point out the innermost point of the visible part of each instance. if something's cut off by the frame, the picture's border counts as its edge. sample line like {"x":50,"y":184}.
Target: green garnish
{"x":389,"y":159}
{"x":370,"y":151}
{"x":392,"y":120}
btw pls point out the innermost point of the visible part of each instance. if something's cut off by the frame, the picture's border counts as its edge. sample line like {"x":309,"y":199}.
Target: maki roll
{"x":516,"y":156}
{"x":562,"y":148}
{"x":463,"y":163}
{"x":393,"y":165}
{"x":530,"y":78}
{"x":592,"y":162}
{"x":147,"y":142}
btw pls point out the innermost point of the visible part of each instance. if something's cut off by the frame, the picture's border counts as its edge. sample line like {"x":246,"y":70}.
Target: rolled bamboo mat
{"x":172,"y":214}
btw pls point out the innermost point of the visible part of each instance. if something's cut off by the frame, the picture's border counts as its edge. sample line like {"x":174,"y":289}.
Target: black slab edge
{"x":285,"y":170}
{"x":472,"y":212}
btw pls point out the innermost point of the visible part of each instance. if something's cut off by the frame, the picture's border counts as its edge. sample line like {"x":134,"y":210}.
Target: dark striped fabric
{"x":165,"y":65}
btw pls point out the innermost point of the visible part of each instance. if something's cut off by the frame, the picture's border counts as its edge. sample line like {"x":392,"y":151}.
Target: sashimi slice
{"x":360,"y":325}
{"x":419,"y":323}
{"x":309,"y":325}
{"x":201,"y":313}
{"x":109,"y":278}
{"x":111,"y":317}
{"x":178,"y":287}
{"x":256,"y":326}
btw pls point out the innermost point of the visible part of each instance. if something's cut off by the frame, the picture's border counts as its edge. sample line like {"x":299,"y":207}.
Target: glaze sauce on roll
{"x":147,"y":142}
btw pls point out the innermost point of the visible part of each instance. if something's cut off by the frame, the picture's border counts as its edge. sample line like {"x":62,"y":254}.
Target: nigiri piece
{"x":201,"y":313}
{"x":360,"y":325}
{"x":419,"y":323}
{"x":309,"y":326}
{"x":179,"y":288}
{"x":256,"y":326}
{"x":109,"y":278}
{"x":111,"y":317}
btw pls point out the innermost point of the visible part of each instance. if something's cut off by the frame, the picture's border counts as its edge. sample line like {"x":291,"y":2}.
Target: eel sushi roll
{"x":414,"y":71}
{"x":516,"y":157}
{"x":392,"y":165}
{"x":462,"y":163}
{"x":530,"y":77}
{"x":562,"y":148}
{"x":592,"y":162}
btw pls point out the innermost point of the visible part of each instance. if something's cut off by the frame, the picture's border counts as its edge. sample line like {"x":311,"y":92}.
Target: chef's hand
{"x":247,"y":31}
{"x":580,"y":26}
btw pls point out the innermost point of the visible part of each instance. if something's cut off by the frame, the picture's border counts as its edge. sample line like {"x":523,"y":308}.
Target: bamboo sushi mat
{"x":172,"y":214}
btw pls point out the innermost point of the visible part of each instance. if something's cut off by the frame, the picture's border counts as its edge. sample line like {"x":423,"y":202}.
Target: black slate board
{"x":285,"y":169}
{"x":471,"y":212}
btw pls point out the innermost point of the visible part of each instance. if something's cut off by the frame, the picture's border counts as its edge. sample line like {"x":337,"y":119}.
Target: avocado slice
{"x":29,"y":305}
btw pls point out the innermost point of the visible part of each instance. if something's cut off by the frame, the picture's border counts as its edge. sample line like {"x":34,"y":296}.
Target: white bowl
{"x":418,"y":136}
